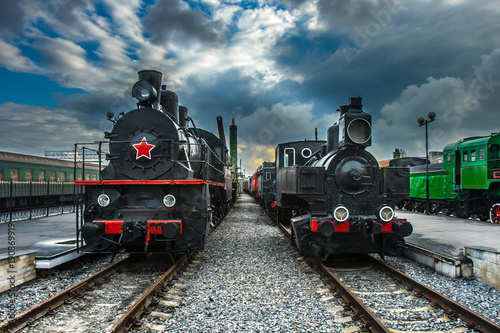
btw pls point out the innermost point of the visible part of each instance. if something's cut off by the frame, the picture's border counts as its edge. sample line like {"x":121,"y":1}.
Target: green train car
{"x":32,"y":181}
{"x":466,"y":184}
{"x":25,"y":168}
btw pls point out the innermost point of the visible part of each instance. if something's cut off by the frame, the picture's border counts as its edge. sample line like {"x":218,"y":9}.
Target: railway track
{"x":123,"y":290}
{"x":379,"y":298}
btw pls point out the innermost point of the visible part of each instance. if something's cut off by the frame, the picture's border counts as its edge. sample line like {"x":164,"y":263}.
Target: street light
{"x":422,"y":122}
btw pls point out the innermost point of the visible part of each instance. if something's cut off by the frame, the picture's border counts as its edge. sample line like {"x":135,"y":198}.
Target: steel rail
{"x":370,"y":320}
{"x":135,"y":311}
{"x":285,"y":230}
{"x":473,"y":319}
{"x":39,"y":310}
{"x":372,"y":323}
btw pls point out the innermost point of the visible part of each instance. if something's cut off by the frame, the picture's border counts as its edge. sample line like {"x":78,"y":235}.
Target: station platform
{"x":52,"y":238}
{"x":448,"y":235}
{"x":453,"y":246}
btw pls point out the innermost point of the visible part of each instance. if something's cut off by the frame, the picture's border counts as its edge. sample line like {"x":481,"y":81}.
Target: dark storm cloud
{"x":10,"y":17}
{"x":90,"y":109}
{"x":380,"y":54}
{"x":168,"y":17}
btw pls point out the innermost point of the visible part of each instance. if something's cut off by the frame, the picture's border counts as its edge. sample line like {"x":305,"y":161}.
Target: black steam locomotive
{"x":165,"y":183}
{"x":334,"y":194}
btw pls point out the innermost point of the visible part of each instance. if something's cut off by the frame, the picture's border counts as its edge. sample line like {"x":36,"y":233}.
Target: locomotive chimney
{"x":355,"y":104}
{"x":220,"y":127}
{"x":183,"y":112}
{"x":170,"y":102}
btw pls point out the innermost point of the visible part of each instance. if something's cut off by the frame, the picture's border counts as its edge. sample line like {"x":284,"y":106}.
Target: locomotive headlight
{"x":341,"y":213}
{"x":103,"y":200}
{"x":359,"y":131}
{"x":143,"y":91}
{"x":386,"y":213}
{"x":169,"y":200}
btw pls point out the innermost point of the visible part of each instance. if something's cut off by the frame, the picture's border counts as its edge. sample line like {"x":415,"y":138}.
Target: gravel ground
{"x":53,"y":282}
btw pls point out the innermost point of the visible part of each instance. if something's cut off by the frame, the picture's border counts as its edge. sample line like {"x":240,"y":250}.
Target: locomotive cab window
{"x":481,"y":154}
{"x":466,"y":157}
{"x":473,"y":155}
{"x":494,"y":152}
{"x":268,"y":176}
{"x":218,"y":152}
{"x":289,"y":157}
{"x":448,"y":158}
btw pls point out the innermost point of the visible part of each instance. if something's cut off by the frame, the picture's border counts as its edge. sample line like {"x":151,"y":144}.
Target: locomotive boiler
{"x":340,"y":201}
{"x":165,"y":183}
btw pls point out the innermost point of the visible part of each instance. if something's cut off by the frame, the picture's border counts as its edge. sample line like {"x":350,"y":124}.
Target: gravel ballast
{"x":250,"y":280}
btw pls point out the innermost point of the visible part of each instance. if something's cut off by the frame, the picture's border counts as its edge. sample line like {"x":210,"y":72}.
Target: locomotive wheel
{"x":495,"y":213}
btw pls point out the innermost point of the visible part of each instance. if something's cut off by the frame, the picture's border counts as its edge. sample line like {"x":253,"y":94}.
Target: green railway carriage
{"x":25,"y":168}
{"x":466,"y":184}
{"x":33,"y":181}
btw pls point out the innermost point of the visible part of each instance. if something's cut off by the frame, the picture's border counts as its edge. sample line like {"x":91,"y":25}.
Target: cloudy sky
{"x":279,"y":68}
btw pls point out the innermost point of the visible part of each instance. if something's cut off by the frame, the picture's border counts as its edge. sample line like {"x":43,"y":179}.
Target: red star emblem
{"x":143,"y":149}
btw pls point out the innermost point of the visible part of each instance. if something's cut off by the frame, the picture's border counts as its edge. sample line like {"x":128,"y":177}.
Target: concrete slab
{"x":39,"y":235}
{"x":52,"y":238}
{"x":447,"y":235}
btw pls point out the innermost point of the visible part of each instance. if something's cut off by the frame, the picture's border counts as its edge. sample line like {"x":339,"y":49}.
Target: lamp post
{"x":422,"y":122}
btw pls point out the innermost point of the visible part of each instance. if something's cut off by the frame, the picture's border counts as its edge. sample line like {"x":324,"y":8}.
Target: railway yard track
{"x":249,"y":278}
{"x":110,"y":300}
{"x":381,"y":298}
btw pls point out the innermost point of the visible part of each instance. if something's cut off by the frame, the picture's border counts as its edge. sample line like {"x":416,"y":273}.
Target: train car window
{"x":87,"y":176}
{"x":268,"y":175}
{"x":52,"y":177}
{"x":41,"y":175}
{"x":62,"y":176}
{"x":14,"y":174}
{"x":448,"y":158}
{"x":94,"y":177}
{"x":473,"y":155}
{"x":466,"y":156}
{"x":482,"y":154}
{"x":71,"y":177}
{"x":289,"y":156}
{"x":493,"y":152}
{"x":28,"y":175}
{"x":1,"y":173}
{"x":80,"y":176}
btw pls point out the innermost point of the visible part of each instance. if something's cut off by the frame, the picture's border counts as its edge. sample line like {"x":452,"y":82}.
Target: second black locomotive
{"x":338,"y":200}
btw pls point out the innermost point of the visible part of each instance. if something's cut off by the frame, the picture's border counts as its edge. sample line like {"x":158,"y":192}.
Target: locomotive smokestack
{"x":355,"y":103}
{"x":183,"y":112}
{"x":220,"y":127}
{"x":170,"y":102}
